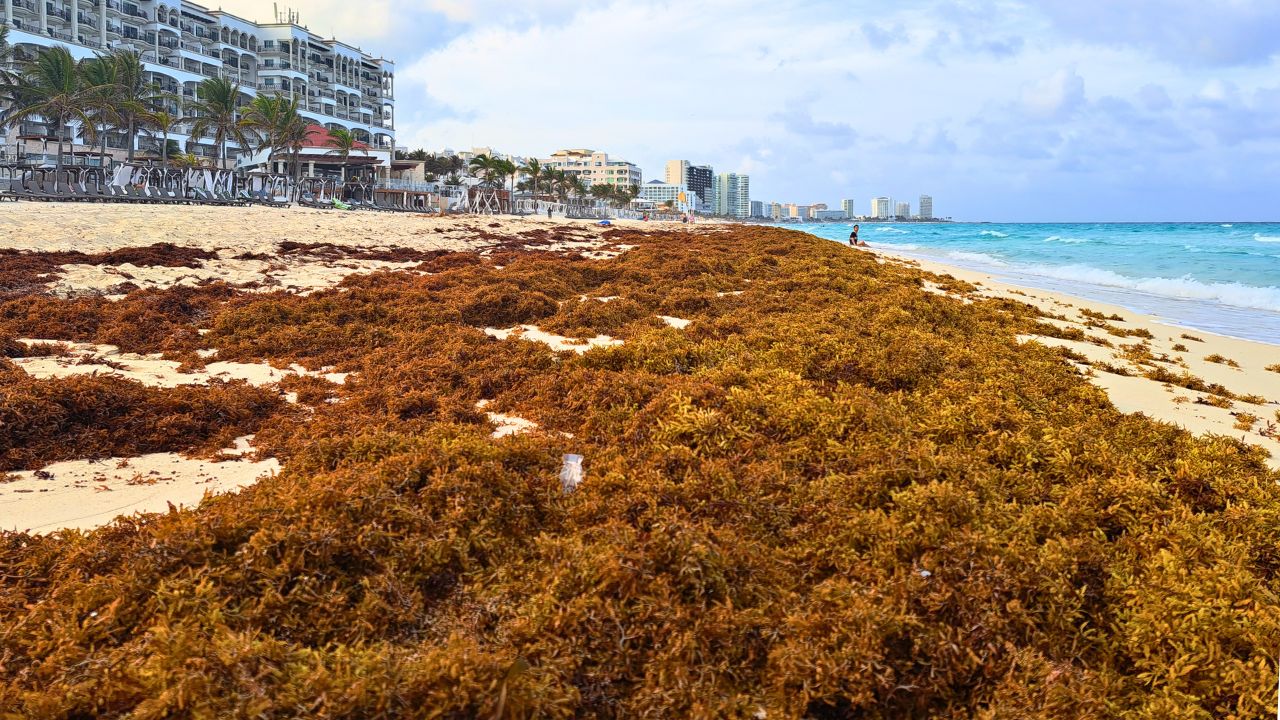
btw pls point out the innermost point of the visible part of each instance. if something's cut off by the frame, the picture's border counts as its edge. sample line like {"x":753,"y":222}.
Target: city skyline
{"x":1011,"y":110}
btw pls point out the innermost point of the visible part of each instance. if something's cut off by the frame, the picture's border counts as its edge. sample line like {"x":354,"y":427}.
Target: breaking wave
{"x":1183,"y":288}
{"x":994,"y":233}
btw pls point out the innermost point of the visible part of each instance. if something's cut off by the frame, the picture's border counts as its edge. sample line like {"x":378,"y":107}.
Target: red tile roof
{"x":318,"y":137}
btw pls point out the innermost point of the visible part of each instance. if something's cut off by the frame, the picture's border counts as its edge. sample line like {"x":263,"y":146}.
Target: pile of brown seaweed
{"x":832,"y":495}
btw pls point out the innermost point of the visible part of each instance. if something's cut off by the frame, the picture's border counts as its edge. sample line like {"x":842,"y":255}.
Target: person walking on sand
{"x":548,"y":211}
{"x":853,"y":238}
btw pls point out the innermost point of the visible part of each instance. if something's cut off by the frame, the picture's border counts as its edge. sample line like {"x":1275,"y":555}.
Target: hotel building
{"x":847,"y":206}
{"x":183,"y":43}
{"x":881,"y":207}
{"x":699,"y":179}
{"x":926,"y":207}
{"x":732,"y":193}
{"x":659,"y":193}
{"x":902,"y":210}
{"x":594,"y":167}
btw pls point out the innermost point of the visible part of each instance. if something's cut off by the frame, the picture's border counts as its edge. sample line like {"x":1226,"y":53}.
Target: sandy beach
{"x":1116,"y":349}
{"x":1118,"y":364}
{"x":487,"y":443}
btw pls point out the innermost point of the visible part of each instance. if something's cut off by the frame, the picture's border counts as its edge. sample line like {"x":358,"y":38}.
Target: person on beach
{"x":853,"y":238}
{"x":548,"y":212}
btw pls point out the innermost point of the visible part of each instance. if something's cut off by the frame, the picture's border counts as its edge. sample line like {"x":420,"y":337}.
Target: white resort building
{"x":594,"y":167}
{"x":182,"y":43}
{"x":679,"y":196}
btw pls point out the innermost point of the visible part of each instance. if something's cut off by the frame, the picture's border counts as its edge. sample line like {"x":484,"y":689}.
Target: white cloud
{"x":969,"y":101}
{"x":1058,"y":94}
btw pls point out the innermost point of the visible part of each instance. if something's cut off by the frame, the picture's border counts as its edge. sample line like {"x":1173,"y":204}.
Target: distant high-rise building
{"x":880,"y":207}
{"x":847,"y":207}
{"x":926,"y":207}
{"x":701,"y":180}
{"x":677,"y":172}
{"x":776,"y":211}
{"x":902,"y":210}
{"x":757,"y":209}
{"x":732,"y":194}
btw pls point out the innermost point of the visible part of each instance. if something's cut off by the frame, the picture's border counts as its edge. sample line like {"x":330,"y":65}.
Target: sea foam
{"x":974,"y":257}
{"x":1070,"y":240}
{"x":1183,"y":288}
{"x":994,"y":233}
{"x":1266,"y":238}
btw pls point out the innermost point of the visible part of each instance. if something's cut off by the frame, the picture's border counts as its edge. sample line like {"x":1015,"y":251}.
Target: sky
{"x":1002,"y":110}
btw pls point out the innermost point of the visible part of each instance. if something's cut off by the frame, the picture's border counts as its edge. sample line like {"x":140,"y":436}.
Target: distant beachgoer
{"x":548,"y":211}
{"x":853,"y":238}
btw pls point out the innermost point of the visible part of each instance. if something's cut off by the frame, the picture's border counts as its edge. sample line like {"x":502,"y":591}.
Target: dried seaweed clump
{"x":46,"y":421}
{"x":832,"y":496}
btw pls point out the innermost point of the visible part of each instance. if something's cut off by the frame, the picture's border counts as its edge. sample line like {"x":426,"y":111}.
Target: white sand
{"x":558,"y":343}
{"x":1138,"y":394}
{"x":84,"y":494}
{"x":675,"y":322}
{"x":152,"y":369}
{"x":235,"y":232}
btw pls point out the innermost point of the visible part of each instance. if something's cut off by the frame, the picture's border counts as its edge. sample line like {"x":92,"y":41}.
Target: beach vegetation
{"x":344,"y":142}
{"x":1274,"y":368}
{"x":1179,"y":347}
{"x":217,"y":114}
{"x":52,"y":87}
{"x":834,"y":495}
{"x":1192,"y":338}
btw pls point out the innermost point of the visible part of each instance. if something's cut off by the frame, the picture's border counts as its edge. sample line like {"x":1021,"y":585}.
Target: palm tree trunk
{"x":133,"y":140}
{"x":164,"y":149}
{"x":58,"y":165}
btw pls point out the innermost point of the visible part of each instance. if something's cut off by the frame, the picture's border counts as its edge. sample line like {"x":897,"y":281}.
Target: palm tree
{"x":600,"y":191}
{"x":99,"y":73}
{"x":558,"y":183}
{"x":535,"y":171}
{"x":344,"y":142}
{"x":188,"y":161}
{"x":577,"y":187}
{"x":217,"y":113}
{"x":507,"y":169}
{"x":486,"y":168}
{"x":51,"y":87}
{"x":133,"y":97}
{"x":280,"y":127}
{"x":7,"y":78}
{"x":162,"y":123}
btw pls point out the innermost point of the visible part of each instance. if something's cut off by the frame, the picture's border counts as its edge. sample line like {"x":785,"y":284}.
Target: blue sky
{"x":1000,"y":109}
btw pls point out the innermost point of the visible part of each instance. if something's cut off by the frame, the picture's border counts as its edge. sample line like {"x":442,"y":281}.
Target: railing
{"x":408,"y":185}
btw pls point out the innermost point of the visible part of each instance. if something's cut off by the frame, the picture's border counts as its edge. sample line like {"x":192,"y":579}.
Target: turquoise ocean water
{"x":1219,"y":277}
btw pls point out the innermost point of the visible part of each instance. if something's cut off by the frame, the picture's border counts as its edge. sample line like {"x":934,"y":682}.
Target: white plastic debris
{"x":571,"y":473}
